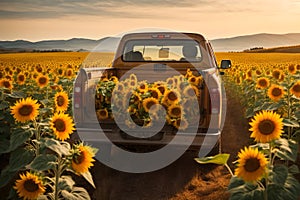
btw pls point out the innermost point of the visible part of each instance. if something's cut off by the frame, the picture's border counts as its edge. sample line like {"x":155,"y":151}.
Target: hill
{"x":286,"y":49}
{"x":109,"y":44}
{"x":264,"y":40}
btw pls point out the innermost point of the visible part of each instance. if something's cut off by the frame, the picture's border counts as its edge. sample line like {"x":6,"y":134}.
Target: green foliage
{"x":220,"y":159}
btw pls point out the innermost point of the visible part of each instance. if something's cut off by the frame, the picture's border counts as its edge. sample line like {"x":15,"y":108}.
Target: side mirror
{"x":225,"y":64}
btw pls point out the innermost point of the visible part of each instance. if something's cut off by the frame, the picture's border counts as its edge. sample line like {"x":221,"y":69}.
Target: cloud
{"x":110,"y":8}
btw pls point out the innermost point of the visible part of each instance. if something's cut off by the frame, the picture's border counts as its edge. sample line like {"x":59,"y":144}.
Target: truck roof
{"x":161,"y":35}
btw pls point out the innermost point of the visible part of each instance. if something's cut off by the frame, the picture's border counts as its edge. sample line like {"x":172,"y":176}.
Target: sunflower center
{"x":276,"y":92}
{"x":25,"y":110}
{"x":69,"y":73}
{"x":79,"y":159}
{"x":296,"y":88}
{"x":42,"y":80}
{"x":176,"y":111}
{"x":172,"y":96}
{"x":154,"y":94}
{"x":103,"y":112}
{"x":276,"y":74}
{"x":6,"y":84}
{"x":291,"y":68}
{"x":60,"y":71}
{"x":252,"y":164}
{"x":142,"y":87}
{"x":263,"y":82}
{"x":266,"y":127}
{"x":21,"y":78}
{"x":161,"y":89}
{"x":30,"y":186}
{"x":60,"y":125}
{"x":60,"y":100}
{"x":149,"y":104}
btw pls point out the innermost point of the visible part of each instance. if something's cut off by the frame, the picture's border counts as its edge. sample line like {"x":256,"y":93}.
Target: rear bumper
{"x":194,"y":141}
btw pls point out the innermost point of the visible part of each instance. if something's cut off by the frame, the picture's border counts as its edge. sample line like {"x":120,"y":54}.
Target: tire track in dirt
{"x":183,"y":179}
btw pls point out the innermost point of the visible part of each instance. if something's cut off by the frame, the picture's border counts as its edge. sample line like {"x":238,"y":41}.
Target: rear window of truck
{"x":162,"y":50}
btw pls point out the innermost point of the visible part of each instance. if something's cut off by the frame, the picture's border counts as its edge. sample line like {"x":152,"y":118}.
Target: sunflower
{"x":193,"y":80}
{"x":69,"y":73}
{"x":82,"y":159}
{"x":25,"y":110}
{"x":292,"y":69}
{"x":155,"y":93}
{"x":252,"y":165}
{"x":170,"y":82}
{"x":276,"y":74}
{"x":262,"y":83}
{"x":149,"y":102}
{"x":62,"y":126}
{"x":295,"y":89}
{"x":266,"y":126}
{"x":191,"y":91}
{"x":132,"y":80}
{"x":61,"y":101}
{"x":29,"y":186}
{"x":120,"y":87}
{"x":42,"y":80}
{"x":21,"y":78}
{"x":143,"y":87}
{"x":175,"y":111}
{"x":258,"y":72}
{"x":238,"y":80}
{"x":188,"y":73}
{"x":6,"y":83}
{"x":114,"y":79}
{"x":102,"y":114}
{"x":298,"y":67}
{"x":275,"y":92}
{"x":135,"y":98}
{"x":171,"y":96}
{"x":162,"y":88}
{"x":181,"y":123}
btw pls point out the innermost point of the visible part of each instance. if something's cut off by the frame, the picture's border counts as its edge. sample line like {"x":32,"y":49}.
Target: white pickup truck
{"x":155,"y":59}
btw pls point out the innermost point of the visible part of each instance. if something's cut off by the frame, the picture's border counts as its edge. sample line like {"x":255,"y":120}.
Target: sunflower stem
{"x":229,"y":169}
{"x":37,"y":137}
{"x":58,"y":172}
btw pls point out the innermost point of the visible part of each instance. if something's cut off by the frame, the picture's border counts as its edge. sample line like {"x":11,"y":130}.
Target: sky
{"x":36,"y":20}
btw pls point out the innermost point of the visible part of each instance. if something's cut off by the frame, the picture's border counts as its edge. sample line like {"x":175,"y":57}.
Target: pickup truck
{"x":153,"y":59}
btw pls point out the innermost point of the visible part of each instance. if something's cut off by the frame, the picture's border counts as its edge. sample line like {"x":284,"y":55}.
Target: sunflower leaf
{"x":88,"y":176}
{"x":220,"y":159}
{"x":77,"y":193}
{"x":20,"y":158}
{"x":279,"y":174}
{"x":287,"y":150}
{"x":56,"y":146}
{"x":290,"y":123}
{"x":6,"y":175}
{"x":18,"y":137}
{"x":43,"y":162}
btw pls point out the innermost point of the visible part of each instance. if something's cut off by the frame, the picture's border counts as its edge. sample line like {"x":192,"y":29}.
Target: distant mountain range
{"x":109,"y":44}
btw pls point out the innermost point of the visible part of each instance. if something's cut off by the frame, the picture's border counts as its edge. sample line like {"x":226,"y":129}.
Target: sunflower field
{"x":36,"y":125}
{"x":268,"y":87}
{"x":41,"y":158}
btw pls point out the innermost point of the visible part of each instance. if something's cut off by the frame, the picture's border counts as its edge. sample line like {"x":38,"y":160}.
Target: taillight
{"x":77,"y":97}
{"x":215,"y":100}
